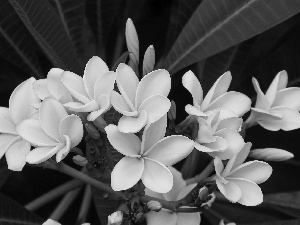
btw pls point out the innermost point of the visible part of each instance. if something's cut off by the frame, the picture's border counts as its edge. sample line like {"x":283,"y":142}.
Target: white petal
{"x":72,"y":127}
{"x":178,"y":185}
{"x":271,"y":154}
{"x":272,"y":90}
{"x":233,"y":123}
{"x":156,"y":176}
{"x":157,"y":82}
{"x":63,"y":152}
{"x":103,"y":104}
{"x":41,"y":154}
{"x":126,"y":173}
{"x":7,"y":125}
{"x":242,"y":155}
{"x":6,"y":140}
{"x":126,"y":144}
{"x":261,"y":100}
{"x":219,"y":88}
{"x":192,"y":110}
{"x":259,"y":115}
{"x":51,"y":222}
{"x":185,"y":191}
{"x":79,"y":107}
{"x":255,"y":171}
{"x":127,"y":82}
{"x":203,"y":148}
{"x":153,"y":133}
{"x":52,"y":112}
{"x":75,"y":86}
{"x":233,"y":101}
{"x":15,"y":155}
{"x":230,"y":190}
{"x":288,"y":97}
{"x":32,"y":131}
{"x":132,"y":124}
{"x":188,"y":218}
{"x":93,"y":69}
{"x":40,"y":88}
{"x":217,"y":146}
{"x":53,"y":81}
{"x":219,"y":167}
{"x":290,"y":120}
{"x":251,"y":192}
{"x":121,"y":105}
{"x":192,"y":84}
{"x":171,"y":149}
{"x":156,"y":107}
{"x":105,"y":84}
{"x":20,"y":100}
{"x":283,"y":80}
{"x":162,"y":217}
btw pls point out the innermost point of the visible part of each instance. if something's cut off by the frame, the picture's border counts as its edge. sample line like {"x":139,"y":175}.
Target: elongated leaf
{"x":282,"y":222}
{"x":12,"y":213}
{"x":290,"y":199}
{"x":46,"y":28}
{"x":219,"y":24}
{"x":16,"y":43}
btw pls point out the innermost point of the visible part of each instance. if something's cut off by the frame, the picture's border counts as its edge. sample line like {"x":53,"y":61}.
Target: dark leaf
{"x":284,"y":222}
{"x":122,"y":59}
{"x":290,"y":199}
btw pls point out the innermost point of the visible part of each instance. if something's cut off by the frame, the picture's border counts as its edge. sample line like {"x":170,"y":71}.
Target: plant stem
{"x":85,"y":205}
{"x":204,"y":174}
{"x":51,"y":195}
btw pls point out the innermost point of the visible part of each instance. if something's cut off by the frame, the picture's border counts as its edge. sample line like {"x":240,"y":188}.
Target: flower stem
{"x":85,"y":205}
{"x":204,"y":174}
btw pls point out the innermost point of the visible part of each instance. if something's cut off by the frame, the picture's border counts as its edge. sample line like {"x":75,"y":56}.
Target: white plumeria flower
{"x":219,"y":137}
{"x":93,"y":90}
{"x":53,"y":222}
{"x":178,"y":191}
{"x":141,"y":102}
{"x":271,"y":154}
{"x":12,"y":144}
{"x":55,"y":132}
{"x":278,"y":108}
{"x":147,"y":159}
{"x":217,"y":97}
{"x":238,"y":181}
{"x":52,"y":87}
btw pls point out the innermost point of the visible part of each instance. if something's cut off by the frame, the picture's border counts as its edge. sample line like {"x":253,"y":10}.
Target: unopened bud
{"x":100,"y":123}
{"x":203,"y":192}
{"x":172,"y":111}
{"x":92,"y":130}
{"x":271,"y":154}
{"x":154,"y":205}
{"x":79,"y":160}
{"x":115,"y":218}
{"x":149,"y":60}
{"x":132,"y":42}
{"x":222,"y":223}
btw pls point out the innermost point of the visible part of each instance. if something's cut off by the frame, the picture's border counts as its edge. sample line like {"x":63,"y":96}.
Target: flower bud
{"x":222,"y":223}
{"x":203,"y":192}
{"x":92,"y":130}
{"x":149,"y":60}
{"x":79,"y":160}
{"x":154,"y":205}
{"x":51,"y":222}
{"x":132,"y":42}
{"x":115,"y":218}
{"x":271,"y":154}
{"x":100,"y":123}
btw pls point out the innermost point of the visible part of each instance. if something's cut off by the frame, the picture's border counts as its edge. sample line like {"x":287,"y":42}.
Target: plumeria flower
{"x":178,"y":191}
{"x":53,"y":222}
{"x":238,"y":181}
{"x":219,"y":137}
{"x":278,"y":108}
{"x":271,"y":154}
{"x":217,"y":97}
{"x":12,"y":144}
{"x":55,"y":132}
{"x":93,"y":90}
{"x":147,"y":159}
{"x":52,"y":87}
{"x":141,"y":102}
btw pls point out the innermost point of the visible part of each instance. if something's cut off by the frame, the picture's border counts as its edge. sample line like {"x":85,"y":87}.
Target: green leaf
{"x":48,"y":31}
{"x":219,"y":24}
{"x":12,"y":213}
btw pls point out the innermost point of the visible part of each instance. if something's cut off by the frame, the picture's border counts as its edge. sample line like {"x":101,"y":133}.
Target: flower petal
{"x":259,"y":115}
{"x":79,"y":107}
{"x":185,"y":191}
{"x":219,"y":88}
{"x":156,"y":176}
{"x":40,"y":88}
{"x":230,"y":190}
{"x":234,"y":123}
{"x":127,"y":83}
{"x":171,"y":149}
{"x":251,"y":192}
{"x":256,"y":171}
{"x":271,"y":154}
{"x":242,"y":155}
{"x":120,"y":105}
{"x":105,"y":84}
{"x":52,"y":112}
{"x":126,"y":173}
{"x":7,"y":125}
{"x":32,"y":131}
{"x":219,"y":167}
{"x":41,"y":154}
{"x":156,"y":107}
{"x":53,"y":81}
{"x":103,"y":104}
{"x":132,"y":124}
{"x":161,"y":218}
{"x":72,"y":127}
{"x":233,"y":101}
{"x":153,"y":133}
{"x":217,"y":146}
{"x":288,"y":97}
{"x":126,"y":144}
{"x":94,"y":68}
{"x":192,"y":84}
{"x":63,"y":152}
{"x":279,"y":82}
{"x":157,"y":82}
{"x":192,"y":110}
{"x":75,"y":86}
{"x":15,"y":155}
{"x":261,"y":100}
{"x":188,"y":218}
{"x":20,"y":100}
{"x":6,"y":140}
